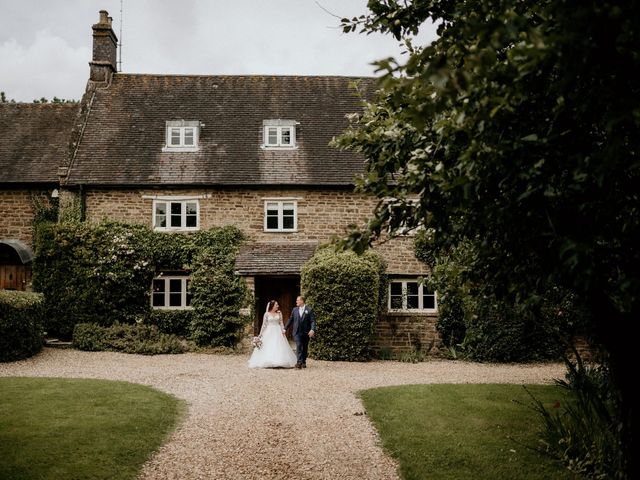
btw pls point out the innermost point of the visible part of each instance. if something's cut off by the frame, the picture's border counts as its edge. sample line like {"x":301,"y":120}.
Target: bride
{"x":275,"y":350}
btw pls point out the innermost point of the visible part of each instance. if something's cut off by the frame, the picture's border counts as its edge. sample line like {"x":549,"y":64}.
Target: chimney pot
{"x":105,"y":45}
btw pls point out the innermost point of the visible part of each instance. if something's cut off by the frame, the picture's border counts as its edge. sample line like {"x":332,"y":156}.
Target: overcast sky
{"x":45,"y":46}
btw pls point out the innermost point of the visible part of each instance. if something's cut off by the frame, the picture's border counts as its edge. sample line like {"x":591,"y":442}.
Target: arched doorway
{"x":15,"y":265}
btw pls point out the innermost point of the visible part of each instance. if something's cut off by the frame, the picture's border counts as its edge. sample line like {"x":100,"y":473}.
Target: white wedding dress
{"x":275,"y":350}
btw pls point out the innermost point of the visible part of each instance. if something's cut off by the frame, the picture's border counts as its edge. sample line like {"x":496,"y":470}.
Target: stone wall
{"x":405,"y":332}
{"x":16,"y":214}
{"x":322,"y":214}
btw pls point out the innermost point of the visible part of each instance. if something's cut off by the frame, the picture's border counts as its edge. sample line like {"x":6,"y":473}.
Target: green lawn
{"x":463,"y":431}
{"x":52,"y":428}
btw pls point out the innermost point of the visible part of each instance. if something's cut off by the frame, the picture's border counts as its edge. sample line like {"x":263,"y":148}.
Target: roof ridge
{"x":189,"y":75}
{"x":41,"y":105}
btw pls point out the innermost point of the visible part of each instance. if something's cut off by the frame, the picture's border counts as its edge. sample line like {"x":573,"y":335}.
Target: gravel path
{"x":268,"y":424}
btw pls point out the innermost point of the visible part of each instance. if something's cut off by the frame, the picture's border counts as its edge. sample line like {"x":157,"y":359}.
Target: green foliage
{"x":21,"y":329}
{"x":4,"y":99}
{"x":173,"y":322}
{"x":54,"y":100}
{"x":98,"y":273}
{"x":412,"y":356}
{"x":518,"y":129}
{"x":137,"y":338}
{"x":102,"y":274}
{"x":384,"y":353}
{"x":485,"y":328}
{"x":218,"y":294}
{"x":343,"y":289}
{"x":585,"y":432}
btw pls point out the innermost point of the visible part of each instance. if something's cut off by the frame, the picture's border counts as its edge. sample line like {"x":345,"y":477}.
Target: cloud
{"x":49,"y":66}
{"x":47,"y":45}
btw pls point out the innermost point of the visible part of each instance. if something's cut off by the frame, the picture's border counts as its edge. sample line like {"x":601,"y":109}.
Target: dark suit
{"x":302,"y":325}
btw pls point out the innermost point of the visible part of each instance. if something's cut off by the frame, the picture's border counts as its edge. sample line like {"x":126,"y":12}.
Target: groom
{"x":304,"y":326}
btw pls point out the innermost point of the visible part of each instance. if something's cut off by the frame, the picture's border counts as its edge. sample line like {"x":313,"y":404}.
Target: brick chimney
{"x":105,"y":46}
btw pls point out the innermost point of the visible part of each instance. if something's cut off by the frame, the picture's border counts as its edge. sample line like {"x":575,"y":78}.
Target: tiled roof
{"x":125,"y":130}
{"x":274,"y":258}
{"x":34,"y":140}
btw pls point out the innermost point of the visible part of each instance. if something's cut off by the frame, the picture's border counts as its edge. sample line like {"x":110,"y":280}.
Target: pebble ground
{"x":271,"y":423}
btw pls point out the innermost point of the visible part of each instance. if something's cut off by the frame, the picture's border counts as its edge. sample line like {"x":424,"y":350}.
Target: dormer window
{"x":182,"y":136}
{"x":279,"y":134}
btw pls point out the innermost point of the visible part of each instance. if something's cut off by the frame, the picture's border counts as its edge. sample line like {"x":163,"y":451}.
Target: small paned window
{"x":280,"y":216}
{"x":175,"y":215}
{"x":182,"y":136}
{"x":170,"y":292}
{"x":411,"y":295}
{"x":279,"y":133}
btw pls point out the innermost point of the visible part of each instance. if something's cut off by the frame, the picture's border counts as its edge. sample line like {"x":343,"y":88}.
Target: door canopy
{"x":12,"y":251}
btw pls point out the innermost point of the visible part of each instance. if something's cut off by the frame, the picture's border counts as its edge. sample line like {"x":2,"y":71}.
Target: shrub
{"x":102,"y":273}
{"x":481,"y":328}
{"x":413,"y":356}
{"x":142,"y":339}
{"x":496,"y":331}
{"x":21,"y":330}
{"x":89,"y":337}
{"x":451,"y":325}
{"x":98,"y":273}
{"x":585,"y":432}
{"x":343,"y":289}
{"x":173,"y":322}
{"x":218,"y":294}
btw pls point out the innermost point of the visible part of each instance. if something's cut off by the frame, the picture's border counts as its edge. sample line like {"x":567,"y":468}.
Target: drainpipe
{"x":83,"y":203}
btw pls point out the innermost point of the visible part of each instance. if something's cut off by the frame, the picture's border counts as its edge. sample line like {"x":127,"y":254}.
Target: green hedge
{"x":102,"y":274}
{"x":172,"y":322}
{"x":139,"y":338}
{"x":480,"y":327}
{"x":218,"y":295}
{"x":344,"y":291}
{"x":21,"y":329}
{"x":98,"y":273}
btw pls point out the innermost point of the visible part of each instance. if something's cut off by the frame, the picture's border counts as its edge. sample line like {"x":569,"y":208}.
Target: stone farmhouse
{"x":181,"y":153}
{"x":34,"y":142}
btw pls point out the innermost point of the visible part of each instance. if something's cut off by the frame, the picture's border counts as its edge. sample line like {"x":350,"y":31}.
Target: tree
{"x":518,"y":131}
{"x":4,"y":99}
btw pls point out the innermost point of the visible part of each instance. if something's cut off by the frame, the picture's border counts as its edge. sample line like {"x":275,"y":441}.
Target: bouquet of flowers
{"x":256,"y":342}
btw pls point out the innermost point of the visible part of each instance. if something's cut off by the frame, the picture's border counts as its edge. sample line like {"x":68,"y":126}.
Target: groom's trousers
{"x":302,"y":348}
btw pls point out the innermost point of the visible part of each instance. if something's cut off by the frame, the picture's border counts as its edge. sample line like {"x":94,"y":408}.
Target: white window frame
{"x":182,"y":126}
{"x":421,"y":288}
{"x":183,"y":214}
{"x":279,"y":126}
{"x":183,"y":291}
{"x":280,"y":203}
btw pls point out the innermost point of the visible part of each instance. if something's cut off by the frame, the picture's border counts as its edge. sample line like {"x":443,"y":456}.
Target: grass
{"x":463,"y":431}
{"x":52,"y":428}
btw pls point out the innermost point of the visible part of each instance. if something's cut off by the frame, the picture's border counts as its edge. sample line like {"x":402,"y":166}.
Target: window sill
{"x":180,"y":149}
{"x":408,"y":313}
{"x":172,"y":308}
{"x":280,"y":231}
{"x":278,"y":147}
{"x":176,"y":229}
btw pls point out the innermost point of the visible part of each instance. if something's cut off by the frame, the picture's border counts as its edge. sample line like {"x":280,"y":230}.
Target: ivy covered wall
{"x":102,"y":273}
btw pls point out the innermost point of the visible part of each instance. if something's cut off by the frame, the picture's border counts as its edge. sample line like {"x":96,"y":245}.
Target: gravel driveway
{"x":267,"y":424}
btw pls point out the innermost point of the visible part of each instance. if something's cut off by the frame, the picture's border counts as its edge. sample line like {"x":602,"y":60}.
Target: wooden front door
{"x":282,"y":289}
{"x":14,"y":277}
